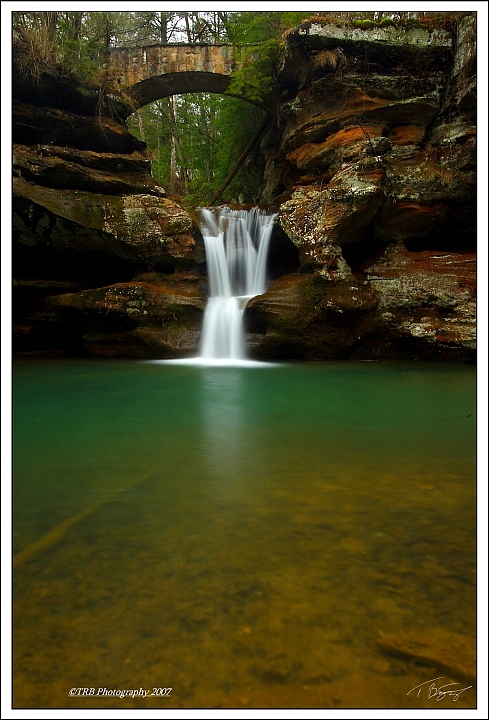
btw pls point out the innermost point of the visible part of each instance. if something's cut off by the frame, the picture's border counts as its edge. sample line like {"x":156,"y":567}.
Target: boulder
{"x":320,"y":222}
{"x":306,"y":317}
{"x":408,"y":305}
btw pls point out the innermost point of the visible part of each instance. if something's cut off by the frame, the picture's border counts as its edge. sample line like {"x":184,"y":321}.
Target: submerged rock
{"x":448,"y":651}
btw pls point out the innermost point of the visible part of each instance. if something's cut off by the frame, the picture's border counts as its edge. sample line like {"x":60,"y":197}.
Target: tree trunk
{"x":141,"y":125}
{"x":222,"y":30}
{"x":163,"y":28}
{"x":177,"y":175}
{"x":173,"y":152}
{"x":77,"y":25}
{"x":107,"y":29}
{"x":49,"y":20}
{"x":187,"y":26}
{"x":241,"y":159}
{"x":48,"y":34}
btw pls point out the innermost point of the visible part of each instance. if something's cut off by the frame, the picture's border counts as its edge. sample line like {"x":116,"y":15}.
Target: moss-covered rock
{"x":374,"y":159}
{"x":418,"y":50}
{"x":417,"y":305}
{"x":133,"y":228}
{"x":135,"y":319}
{"x":428,"y":296}
{"x":320,"y":222}
{"x":306,"y":317}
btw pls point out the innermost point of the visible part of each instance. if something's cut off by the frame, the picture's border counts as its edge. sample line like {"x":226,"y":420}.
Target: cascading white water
{"x":236,"y":245}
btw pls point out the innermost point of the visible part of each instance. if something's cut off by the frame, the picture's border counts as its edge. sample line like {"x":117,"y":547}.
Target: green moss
{"x":285,"y":326}
{"x":254,"y":80}
{"x":387,"y":22}
{"x":363,"y":24}
{"x":178,"y":322}
{"x":314,"y":293}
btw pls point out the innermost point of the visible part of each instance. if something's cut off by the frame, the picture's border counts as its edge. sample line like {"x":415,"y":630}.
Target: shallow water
{"x":239,"y":534}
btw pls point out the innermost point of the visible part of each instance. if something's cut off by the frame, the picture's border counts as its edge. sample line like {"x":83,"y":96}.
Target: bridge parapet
{"x":134,"y":65}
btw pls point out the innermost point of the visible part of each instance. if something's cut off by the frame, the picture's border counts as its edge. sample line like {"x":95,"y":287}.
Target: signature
{"x":439,"y":692}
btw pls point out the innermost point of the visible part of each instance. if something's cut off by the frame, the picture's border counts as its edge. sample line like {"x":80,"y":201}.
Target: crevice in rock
{"x":442,"y":243}
{"x":283,"y":256}
{"x":360,"y":255}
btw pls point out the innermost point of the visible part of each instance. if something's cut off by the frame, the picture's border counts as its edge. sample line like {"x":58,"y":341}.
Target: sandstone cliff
{"x":374,"y":165}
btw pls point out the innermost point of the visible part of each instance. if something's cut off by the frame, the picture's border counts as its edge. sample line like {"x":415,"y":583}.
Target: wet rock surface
{"x":138,"y":228}
{"x":448,"y":651}
{"x":69,"y":168}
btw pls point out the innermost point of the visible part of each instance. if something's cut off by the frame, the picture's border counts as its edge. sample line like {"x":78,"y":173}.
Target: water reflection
{"x":224,"y":425}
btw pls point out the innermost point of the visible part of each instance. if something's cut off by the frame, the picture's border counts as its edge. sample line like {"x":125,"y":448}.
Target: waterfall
{"x":236,"y":245}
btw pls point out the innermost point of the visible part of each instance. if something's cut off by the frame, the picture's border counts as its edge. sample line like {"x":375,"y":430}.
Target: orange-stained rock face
{"x":428,"y":295}
{"x":354,"y":134}
{"x":381,"y":159}
{"x":348,"y":143}
{"x":409,"y":219}
{"x":407,"y":135}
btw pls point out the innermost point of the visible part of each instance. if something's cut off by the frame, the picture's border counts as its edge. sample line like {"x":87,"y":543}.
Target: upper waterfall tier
{"x":236,"y":244}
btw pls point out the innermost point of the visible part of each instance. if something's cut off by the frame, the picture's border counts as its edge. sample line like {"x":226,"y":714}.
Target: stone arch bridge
{"x":149,"y":73}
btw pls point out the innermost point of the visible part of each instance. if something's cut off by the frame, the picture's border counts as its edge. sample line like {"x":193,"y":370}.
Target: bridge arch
{"x":181,"y":83}
{"x":146,"y":74}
